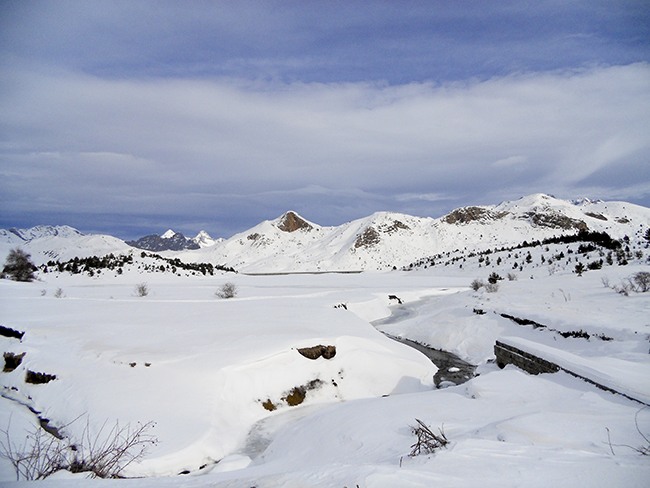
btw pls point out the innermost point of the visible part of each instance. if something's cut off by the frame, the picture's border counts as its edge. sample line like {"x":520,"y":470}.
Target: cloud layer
{"x":78,"y":143}
{"x":133,"y":117}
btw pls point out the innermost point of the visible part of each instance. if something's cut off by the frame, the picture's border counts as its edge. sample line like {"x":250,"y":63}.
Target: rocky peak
{"x":291,"y":222}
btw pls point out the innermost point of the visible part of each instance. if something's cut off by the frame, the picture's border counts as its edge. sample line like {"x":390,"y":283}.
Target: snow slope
{"x":203,"y":368}
{"x":385,"y":240}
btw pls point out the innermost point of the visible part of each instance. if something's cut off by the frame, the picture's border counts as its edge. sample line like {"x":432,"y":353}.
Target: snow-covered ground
{"x":203,"y":369}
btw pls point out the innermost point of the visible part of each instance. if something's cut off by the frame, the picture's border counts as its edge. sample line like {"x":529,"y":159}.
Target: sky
{"x":130,"y":118}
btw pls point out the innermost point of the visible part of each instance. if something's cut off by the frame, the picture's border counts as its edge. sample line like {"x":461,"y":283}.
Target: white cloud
{"x":154,"y":144}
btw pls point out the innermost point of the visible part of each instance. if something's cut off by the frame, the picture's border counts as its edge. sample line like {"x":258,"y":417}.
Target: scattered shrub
{"x":12,"y":361}
{"x":476,"y":284}
{"x":494,"y":277}
{"x":512,"y":277}
{"x":101,"y":455}
{"x":492,"y":287}
{"x":227,"y":290}
{"x":59,"y":293}
{"x":19,"y":266}
{"x":38,"y":378}
{"x":638,"y":282}
{"x":642,"y":281}
{"x":141,"y":290}
{"x":427,"y":441}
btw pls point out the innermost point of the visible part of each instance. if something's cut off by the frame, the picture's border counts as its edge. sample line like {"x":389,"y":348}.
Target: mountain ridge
{"x":383,"y":240}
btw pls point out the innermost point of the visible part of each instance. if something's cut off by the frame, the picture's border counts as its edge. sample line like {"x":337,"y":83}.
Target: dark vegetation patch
{"x":7,"y":332}
{"x":95,"y":265}
{"x":328,"y":352}
{"x":12,"y":361}
{"x":597,"y":239}
{"x":38,"y":378}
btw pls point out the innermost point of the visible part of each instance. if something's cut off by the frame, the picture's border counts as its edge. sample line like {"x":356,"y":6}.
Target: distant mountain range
{"x":173,"y":241}
{"x":384,"y":240}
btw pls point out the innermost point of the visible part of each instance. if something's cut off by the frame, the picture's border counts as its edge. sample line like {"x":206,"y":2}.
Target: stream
{"x":452,"y":370}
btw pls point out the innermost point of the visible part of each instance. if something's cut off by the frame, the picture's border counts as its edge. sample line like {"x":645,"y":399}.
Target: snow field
{"x":200,"y":367}
{"x":213,"y":363}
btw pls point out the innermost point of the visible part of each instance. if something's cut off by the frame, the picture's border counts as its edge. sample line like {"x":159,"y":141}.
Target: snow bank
{"x":626,"y":377}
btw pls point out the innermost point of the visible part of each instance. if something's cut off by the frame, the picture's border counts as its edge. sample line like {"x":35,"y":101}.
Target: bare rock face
{"x":368,"y":238}
{"x":596,"y":216}
{"x":291,"y":223}
{"x":328,"y":352}
{"x":556,"y":221}
{"x":470,"y":214}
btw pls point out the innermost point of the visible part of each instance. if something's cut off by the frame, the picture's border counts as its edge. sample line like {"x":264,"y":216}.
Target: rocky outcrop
{"x":556,"y":220}
{"x":368,"y":238}
{"x":466,"y":215}
{"x":327,"y":352}
{"x":156,"y":243}
{"x":291,"y":222}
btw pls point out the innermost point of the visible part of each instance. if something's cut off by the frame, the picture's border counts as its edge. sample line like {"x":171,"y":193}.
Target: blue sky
{"x":130,"y":118}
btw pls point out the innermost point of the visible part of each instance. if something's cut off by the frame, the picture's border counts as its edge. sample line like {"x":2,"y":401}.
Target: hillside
{"x":382,"y":241}
{"x":387,"y":240}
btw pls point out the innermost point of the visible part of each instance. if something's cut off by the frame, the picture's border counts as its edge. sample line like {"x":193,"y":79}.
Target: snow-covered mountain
{"x":383,"y":240}
{"x":203,"y":239}
{"x":45,"y":243}
{"x":173,"y":241}
{"x":169,"y":241}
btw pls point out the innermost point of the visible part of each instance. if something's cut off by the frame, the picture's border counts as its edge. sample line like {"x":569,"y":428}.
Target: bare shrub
{"x":427,"y":441}
{"x":624,"y":288}
{"x":227,"y":290}
{"x":477,"y":284}
{"x":512,"y":277}
{"x":638,"y":282}
{"x":103,"y":455}
{"x":141,"y":289}
{"x":492,"y":287}
{"x":19,"y":266}
{"x":643,"y":449}
{"x":59,"y":293}
{"x":642,"y":281}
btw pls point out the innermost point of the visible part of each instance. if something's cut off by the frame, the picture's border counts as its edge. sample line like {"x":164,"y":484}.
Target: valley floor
{"x":236,"y":404}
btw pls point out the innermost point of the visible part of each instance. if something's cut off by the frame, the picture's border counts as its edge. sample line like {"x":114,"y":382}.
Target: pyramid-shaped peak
{"x":291,"y":222}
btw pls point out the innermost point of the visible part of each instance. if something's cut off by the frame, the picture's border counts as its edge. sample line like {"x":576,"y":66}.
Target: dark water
{"x":452,"y":370}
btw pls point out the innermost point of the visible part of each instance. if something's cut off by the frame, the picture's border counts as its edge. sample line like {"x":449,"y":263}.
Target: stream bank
{"x":452,"y":370}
